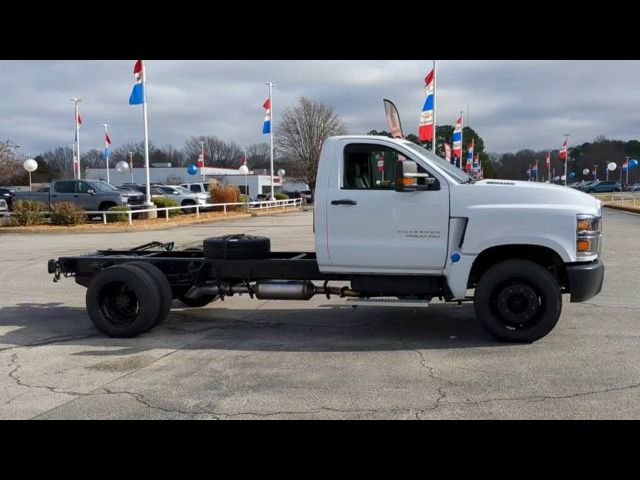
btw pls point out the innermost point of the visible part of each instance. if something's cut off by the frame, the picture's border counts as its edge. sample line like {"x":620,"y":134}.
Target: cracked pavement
{"x":249,"y":359}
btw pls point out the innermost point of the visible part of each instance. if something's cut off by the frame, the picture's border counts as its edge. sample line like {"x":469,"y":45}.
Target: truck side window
{"x":83,"y":187}
{"x":371,"y":167}
{"x":65,"y":187}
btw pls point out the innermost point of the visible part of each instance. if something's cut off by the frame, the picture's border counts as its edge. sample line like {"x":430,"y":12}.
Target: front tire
{"x":518,"y":301}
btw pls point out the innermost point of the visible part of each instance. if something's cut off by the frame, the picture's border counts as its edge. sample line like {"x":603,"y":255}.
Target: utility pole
{"x":106,"y":148}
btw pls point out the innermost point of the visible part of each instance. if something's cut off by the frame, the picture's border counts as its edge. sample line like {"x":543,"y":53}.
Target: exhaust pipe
{"x":272,"y":290}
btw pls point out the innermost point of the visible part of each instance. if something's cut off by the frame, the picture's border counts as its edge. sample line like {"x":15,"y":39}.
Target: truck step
{"x":387,"y":302}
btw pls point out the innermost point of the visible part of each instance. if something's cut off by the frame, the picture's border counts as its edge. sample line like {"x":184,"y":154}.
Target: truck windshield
{"x":104,"y":186}
{"x":453,"y":171}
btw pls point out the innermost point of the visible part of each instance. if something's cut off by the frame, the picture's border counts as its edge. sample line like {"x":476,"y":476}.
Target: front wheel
{"x":518,"y":301}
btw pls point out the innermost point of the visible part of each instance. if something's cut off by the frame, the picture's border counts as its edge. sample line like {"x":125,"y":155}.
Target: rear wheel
{"x":188,"y":203}
{"x":163,"y":285}
{"x":123,"y":301}
{"x":518,"y":301}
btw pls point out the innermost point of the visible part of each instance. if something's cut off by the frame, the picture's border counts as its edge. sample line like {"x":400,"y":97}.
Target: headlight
{"x":588,"y":233}
{"x":202,"y":201}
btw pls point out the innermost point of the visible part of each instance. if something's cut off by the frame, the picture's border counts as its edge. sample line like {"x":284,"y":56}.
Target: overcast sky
{"x":513,"y":104}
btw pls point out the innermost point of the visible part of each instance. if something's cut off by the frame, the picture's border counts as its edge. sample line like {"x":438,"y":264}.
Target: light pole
{"x":76,"y":101}
{"x":106,"y":148}
{"x":131,"y":166}
{"x":73,"y":159}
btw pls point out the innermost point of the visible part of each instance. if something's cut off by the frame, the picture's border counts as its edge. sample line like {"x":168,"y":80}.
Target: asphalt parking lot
{"x":245,"y":358}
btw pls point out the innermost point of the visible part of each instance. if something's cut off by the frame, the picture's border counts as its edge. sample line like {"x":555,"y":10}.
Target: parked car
{"x":181,"y":195}
{"x":197,"y":187}
{"x":92,"y":195}
{"x":635,"y":187}
{"x":7,"y":195}
{"x":602,"y":187}
{"x":4,"y":207}
{"x":583,"y":184}
{"x":308,"y":195}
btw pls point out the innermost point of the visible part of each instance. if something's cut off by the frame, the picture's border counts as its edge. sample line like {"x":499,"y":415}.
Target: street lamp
{"x":30,"y":165}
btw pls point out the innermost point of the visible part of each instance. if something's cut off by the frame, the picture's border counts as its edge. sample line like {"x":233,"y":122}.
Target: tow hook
{"x":54,"y":268}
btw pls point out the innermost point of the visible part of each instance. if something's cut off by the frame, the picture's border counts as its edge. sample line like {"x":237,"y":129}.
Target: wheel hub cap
{"x":518,"y":304}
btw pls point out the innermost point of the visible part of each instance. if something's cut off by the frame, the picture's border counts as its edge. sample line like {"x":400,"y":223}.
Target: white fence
{"x":266,"y":205}
{"x":623,"y":199}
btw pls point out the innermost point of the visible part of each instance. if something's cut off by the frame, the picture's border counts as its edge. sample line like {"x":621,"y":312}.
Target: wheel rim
{"x":518,"y":305}
{"x":119,"y":304}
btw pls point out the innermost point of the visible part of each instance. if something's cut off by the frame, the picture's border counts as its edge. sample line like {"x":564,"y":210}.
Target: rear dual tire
{"x":129,"y":299}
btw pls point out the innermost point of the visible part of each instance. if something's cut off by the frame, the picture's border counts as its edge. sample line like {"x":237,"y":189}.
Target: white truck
{"x":400,"y":225}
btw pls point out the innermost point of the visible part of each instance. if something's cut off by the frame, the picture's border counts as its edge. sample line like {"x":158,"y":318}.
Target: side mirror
{"x":91,"y":191}
{"x":407,"y":175}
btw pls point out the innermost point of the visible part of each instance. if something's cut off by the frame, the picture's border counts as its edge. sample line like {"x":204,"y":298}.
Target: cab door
{"x":373,"y":228}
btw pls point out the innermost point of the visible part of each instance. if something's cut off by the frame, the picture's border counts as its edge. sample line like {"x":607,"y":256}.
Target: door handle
{"x":54,"y":196}
{"x":344,"y":202}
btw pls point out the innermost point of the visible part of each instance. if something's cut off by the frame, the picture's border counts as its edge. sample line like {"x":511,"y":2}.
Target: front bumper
{"x":585,"y":280}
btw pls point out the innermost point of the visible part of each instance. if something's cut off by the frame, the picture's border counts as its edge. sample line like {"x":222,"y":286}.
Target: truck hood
{"x":518,"y":194}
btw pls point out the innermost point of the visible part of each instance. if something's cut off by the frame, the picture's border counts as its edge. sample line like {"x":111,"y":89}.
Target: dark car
{"x":8,"y":196}
{"x":602,"y":187}
{"x":308,"y":195}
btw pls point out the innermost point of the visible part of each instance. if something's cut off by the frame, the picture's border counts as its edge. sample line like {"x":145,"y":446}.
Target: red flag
{"x":267,"y":104}
{"x":137,"y":68}
{"x":107,"y":138}
{"x":563,"y":151}
{"x":79,"y":120}
{"x":429,"y":78}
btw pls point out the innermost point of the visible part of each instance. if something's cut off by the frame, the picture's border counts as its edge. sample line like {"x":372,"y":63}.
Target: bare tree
{"x":258,"y":155}
{"x":218,"y":153}
{"x":300,"y":134}
{"x":60,"y":161}
{"x":11,"y":171}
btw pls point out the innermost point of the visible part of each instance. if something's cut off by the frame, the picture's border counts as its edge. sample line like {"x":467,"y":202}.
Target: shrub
{"x":66,"y":213}
{"x":281,"y":196}
{"x":166,"y":202}
{"x":28,"y":212}
{"x":122,"y":217}
{"x":225,"y":193}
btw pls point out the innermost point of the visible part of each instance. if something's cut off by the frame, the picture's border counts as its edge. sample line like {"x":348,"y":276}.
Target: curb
{"x":623,"y":208}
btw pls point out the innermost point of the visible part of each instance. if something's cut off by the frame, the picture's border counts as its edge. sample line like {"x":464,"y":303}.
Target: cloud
{"x":513,"y":104}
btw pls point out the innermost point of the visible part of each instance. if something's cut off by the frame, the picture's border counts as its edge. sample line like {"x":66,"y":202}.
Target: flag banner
{"x":266,"y":126}
{"x":476,"y":169}
{"x":457,"y":138}
{"x":107,"y":143}
{"x":381,"y":163}
{"x":393,"y":119}
{"x":425,"y":131}
{"x":137,"y":94}
{"x":547,"y":159}
{"x":200,"y":163}
{"x":467,"y":166}
{"x":79,"y":119}
{"x":563,"y":151}
{"x":447,"y":152}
